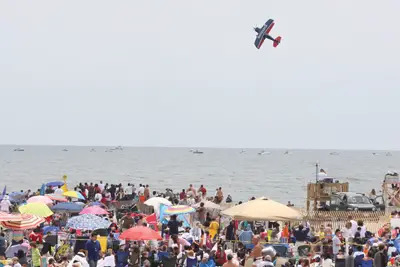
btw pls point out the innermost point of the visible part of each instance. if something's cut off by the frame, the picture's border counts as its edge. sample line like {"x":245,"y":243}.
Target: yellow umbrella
{"x":262,"y":209}
{"x":36,"y":208}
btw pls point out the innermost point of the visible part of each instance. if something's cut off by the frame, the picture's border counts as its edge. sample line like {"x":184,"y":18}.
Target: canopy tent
{"x":262,"y":209}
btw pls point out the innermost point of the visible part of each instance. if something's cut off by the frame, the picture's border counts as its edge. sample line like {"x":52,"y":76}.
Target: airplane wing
{"x":268,"y":25}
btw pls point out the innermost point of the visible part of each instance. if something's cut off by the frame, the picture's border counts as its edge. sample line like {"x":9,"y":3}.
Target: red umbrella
{"x":140,"y":233}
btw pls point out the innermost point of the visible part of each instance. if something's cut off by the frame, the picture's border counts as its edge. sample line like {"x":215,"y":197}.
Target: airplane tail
{"x":277,"y":41}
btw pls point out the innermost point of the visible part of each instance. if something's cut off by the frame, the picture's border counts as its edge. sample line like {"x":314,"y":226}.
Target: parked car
{"x":349,"y":201}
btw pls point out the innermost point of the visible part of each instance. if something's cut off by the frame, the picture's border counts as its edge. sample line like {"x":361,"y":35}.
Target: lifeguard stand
{"x":321,"y":192}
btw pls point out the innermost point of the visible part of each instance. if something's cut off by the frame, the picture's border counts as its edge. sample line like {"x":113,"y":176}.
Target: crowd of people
{"x":207,"y":241}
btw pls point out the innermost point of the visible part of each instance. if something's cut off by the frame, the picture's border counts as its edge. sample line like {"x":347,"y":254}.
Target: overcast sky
{"x":186,"y":73}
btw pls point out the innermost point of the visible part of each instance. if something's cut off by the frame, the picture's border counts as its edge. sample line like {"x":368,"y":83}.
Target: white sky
{"x":186,"y":73}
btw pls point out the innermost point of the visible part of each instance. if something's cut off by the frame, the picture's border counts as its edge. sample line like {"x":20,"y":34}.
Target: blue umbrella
{"x":55,"y":183}
{"x":67,"y":207}
{"x":87,"y":222}
{"x":48,"y":229}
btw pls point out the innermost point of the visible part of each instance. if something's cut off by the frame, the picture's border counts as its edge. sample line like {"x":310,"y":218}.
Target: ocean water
{"x":243,"y":175}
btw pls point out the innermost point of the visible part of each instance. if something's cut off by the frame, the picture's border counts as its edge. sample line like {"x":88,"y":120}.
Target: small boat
{"x":334,"y":153}
{"x":109,"y":150}
{"x":197,"y":152}
{"x":242,"y":151}
{"x":92,"y":150}
{"x":287,"y":152}
{"x":263,"y":152}
{"x":19,"y":149}
{"x":65,"y":150}
{"x":375,"y":154}
{"x":388,"y":154}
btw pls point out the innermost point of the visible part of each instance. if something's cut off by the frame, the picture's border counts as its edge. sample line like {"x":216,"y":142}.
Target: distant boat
{"x":109,"y":150}
{"x":92,"y":150}
{"x":19,"y":149}
{"x":334,"y":153}
{"x":65,"y":150}
{"x":263,"y":152}
{"x":375,"y":154}
{"x":197,"y":152}
{"x":388,"y":154}
{"x":242,"y":151}
{"x":287,"y":152}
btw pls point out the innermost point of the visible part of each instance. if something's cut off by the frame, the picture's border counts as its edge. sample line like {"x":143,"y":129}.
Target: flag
{"x":64,"y":187}
{"x":5,"y":190}
{"x":43,"y":190}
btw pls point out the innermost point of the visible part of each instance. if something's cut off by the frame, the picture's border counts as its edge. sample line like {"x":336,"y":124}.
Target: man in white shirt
{"x":128,"y":191}
{"x":141,"y":190}
{"x":336,"y":243}
{"x":101,"y":186}
{"x":5,"y":204}
{"x":59,"y":191}
{"x":354,"y":225}
{"x":98,"y":197}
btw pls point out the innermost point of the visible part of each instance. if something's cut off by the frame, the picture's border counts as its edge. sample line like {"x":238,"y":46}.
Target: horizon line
{"x":202,"y":147}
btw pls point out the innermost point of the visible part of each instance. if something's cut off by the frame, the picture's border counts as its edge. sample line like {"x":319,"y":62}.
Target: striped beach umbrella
{"x":5,"y":217}
{"x":74,"y":194}
{"x":56,"y":197}
{"x":27,"y":221}
{"x":179,"y":209}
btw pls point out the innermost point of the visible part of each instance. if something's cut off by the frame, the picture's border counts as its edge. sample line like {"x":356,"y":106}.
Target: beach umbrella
{"x":56,"y":197}
{"x":40,"y":199}
{"x":208,"y":205}
{"x":179,"y":209}
{"x":13,"y":250}
{"x":55,"y":184}
{"x":27,"y":221}
{"x":87,"y":222}
{"x":48,"y":229}
{"x":38,"y":209}
{"x":262,"y":209}
{"x":96,"y":204}
{"x":156,"y":201}
{"x":95,"y":210}
{"x":10,"y":217}
{"x":140,"y":233}
{"x":67,"y":207}
{"x":74,"y":194}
